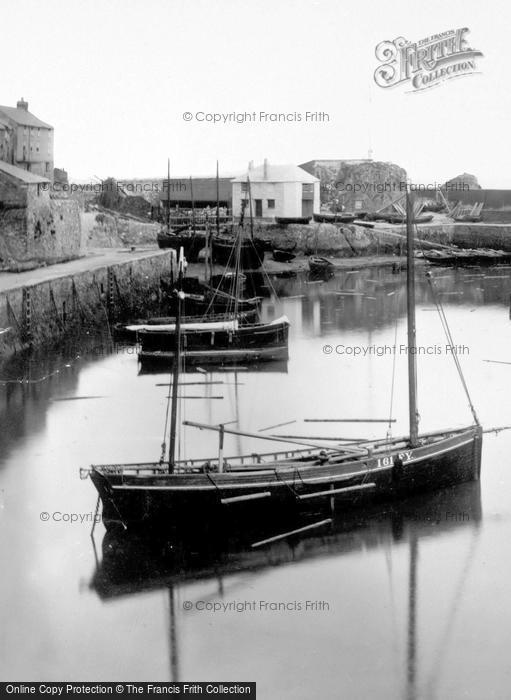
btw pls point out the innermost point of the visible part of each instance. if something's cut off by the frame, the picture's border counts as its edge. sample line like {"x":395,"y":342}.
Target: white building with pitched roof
{"x":27,"y":141}
{"x":276,"y":191}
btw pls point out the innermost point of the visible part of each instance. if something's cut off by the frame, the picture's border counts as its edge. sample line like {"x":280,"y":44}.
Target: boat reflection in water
{"x":133,"y":565}
{"x":273,"y":366}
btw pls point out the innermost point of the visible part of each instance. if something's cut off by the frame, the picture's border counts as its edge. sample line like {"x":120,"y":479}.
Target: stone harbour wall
{"x":42,"y":314}
{"x":39,"y":230}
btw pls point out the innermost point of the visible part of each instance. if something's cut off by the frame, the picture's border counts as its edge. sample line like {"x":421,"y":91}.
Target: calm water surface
{"x":406,"y":602}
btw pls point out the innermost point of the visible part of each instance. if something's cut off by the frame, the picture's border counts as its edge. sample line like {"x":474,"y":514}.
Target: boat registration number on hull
{"x":389,"y":461}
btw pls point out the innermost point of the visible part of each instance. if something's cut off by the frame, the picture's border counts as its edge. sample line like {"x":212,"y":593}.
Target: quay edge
{"x":40,"y":307}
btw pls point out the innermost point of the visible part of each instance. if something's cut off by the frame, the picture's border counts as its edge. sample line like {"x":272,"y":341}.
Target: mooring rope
{"x":448,"y":335}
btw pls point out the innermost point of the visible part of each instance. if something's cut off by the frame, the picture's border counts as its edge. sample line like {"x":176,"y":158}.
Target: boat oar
{"x":278,"y":425}
{"x":190,"y":383}
{"x":315,"y":437}
{"x":349,"y":420}
{"x":77,"y":398}
{"x":181,"y":396}
{"x":282,"y":536}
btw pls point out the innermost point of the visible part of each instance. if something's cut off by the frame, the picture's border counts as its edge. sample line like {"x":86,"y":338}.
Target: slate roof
{"x":23,"y":117}
{"x":24,"y":176}
{"x":277,"y":173}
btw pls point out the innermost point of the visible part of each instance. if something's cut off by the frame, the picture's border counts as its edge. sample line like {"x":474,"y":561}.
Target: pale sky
{"x":115,"y":77}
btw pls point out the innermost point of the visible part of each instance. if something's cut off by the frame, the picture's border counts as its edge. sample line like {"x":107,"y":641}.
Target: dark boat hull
{"x":283,"y":255}
{"x":334,"y":218}
{"x":398,"y":219}
{"x":148,"y":497}
{"x":252,"y":337}
{"x":191,"y":243}
{"x":286,"y":220}
{"x":391,"y":219}
{"x":320,"y":267}
{"x":251,"y":254}
{"x":466,"y":258}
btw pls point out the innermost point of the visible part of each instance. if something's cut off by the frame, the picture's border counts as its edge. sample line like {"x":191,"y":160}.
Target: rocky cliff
{"x":358,"y":184}
{"x":465,"y":179}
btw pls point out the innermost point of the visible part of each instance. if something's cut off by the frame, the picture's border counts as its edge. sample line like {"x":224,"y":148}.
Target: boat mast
{"x":193,"y":205}
{"x":168,"y":195}
{"x":217,"y":202}
{"x":410,"y":309}
{"x":250,"y":206}
{"x":237,"y":271}
{"x":177,"y":362}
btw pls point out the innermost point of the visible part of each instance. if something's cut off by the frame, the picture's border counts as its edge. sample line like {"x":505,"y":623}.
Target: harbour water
{"x":407,"y":601}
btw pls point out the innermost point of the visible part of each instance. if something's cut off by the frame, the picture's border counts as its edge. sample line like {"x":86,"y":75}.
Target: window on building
{"x":358,"y":204}
{"x":271,"y":204}
{"x":307,"y":187}
{"x":244,"y":186}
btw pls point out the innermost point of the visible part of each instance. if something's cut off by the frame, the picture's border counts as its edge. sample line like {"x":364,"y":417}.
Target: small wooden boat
{"x":286,"y":220}
{"x":129,"y":330}
{"x":340,"y":218}
{"x":467,"y":218}
{"x":218,"y":342}
{"x":320,"y":266}
{"x":459,"y":257}
{"x":280,"y":255}
{"x":365,"y":224}
{"x":399,"y":219}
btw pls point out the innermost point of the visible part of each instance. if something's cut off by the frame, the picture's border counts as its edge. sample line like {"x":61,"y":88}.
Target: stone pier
{"x":42,"y":306}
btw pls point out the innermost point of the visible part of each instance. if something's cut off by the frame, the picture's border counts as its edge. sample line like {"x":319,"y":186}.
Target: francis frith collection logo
{"x":427,"y":62}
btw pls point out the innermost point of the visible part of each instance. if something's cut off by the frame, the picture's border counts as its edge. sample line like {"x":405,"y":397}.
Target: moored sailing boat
{"x":211,"y":301}
{"x":159,"y":494}
{"x":234,"y":340}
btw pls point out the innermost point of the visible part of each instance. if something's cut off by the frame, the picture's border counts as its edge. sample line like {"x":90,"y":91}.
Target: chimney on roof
{"x":21,"y":104}
{"x":265,"y":169}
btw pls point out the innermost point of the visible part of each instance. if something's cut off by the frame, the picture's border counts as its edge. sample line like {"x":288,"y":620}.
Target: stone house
{"x":25,"y":140}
